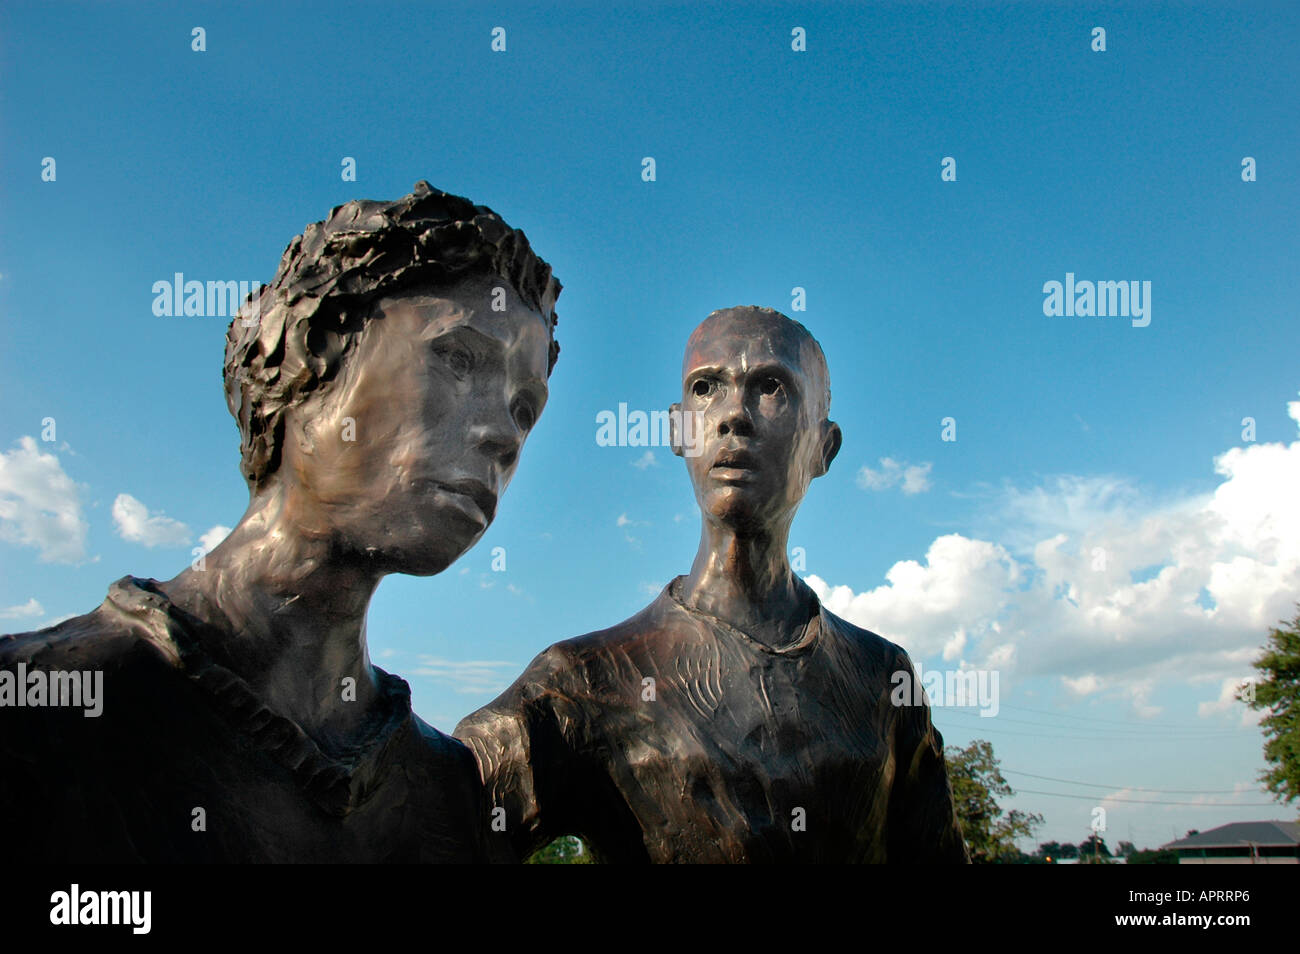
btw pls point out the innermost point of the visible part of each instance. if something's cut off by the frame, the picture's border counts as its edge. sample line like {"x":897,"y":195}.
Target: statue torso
{"x":184,"y":763}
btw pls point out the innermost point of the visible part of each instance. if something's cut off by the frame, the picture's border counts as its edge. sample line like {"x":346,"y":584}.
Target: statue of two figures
{"x":400,"y":358}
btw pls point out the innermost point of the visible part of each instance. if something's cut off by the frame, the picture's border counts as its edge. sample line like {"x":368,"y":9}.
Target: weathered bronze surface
{"x":383,"y":385}
{"x":734,"y":719}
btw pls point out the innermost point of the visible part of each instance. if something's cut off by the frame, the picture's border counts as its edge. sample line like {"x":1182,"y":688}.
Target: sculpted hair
{"x":328,"y":280}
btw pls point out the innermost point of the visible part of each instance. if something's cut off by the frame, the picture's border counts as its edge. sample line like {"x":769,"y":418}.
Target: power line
{"x":1185,"y":734}
{"x":1134,"y":801}
{"x":974,"y":731}
{"x":1163,"y":791}
{"x":1145,"y":740}
{"x":1066,"y":715}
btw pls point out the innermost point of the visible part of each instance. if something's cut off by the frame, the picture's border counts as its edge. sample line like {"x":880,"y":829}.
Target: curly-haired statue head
{"x":290,"y":339}
{"x":384,"y":384}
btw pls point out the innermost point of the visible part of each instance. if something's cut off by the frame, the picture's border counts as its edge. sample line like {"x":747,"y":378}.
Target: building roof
{"x":1239,"y":834}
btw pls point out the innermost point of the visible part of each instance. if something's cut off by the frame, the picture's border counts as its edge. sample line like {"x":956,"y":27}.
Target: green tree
{"x":565,"y":850}
{"x":1093,"y":850}
{"x":1278,"y":692}
{"x":1049,"y":849}
{"x":977,"y":784}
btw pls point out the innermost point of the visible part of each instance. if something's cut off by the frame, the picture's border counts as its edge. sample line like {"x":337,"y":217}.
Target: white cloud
{"x":40,"y":505}
{"x":964,"y":581}
{"x":625,"y":521}
{"x":1088,"y":580}
{"x":1139,"y":692}
{"x":645,"y":460}
{"x":913,"y":478}
{"x":953,"y":647}
{"x":213,"y":537}
{"x":1228,"y":703}
{"x":135,"y":524}
{"x":29,"y":610}
{"x":1083,"y":686}
{"x":470,"y":675}
{"x":1127,"y":798}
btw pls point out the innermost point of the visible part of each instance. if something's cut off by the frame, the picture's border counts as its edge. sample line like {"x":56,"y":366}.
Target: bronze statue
{"x":734,"y":719}
{"x":400,"y":359}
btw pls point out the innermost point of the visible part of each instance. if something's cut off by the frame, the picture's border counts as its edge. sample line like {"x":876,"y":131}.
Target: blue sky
{"x":774,"y":169}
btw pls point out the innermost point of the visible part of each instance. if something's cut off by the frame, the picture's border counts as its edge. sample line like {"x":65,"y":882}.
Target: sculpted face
{"x":403,"y":459}
{"x":753,"y":381}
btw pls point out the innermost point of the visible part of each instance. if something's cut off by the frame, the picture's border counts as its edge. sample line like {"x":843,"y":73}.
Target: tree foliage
{"x":565,"y":850}
{"x":1093,"y":850}
{"x":977,"y":784}
{"x":1277,"y":691}
{"x":1055,"y":851}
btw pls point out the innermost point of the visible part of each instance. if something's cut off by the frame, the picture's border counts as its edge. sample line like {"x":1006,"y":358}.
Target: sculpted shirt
{"x":673,"y":737}
{"x":178,"y":733}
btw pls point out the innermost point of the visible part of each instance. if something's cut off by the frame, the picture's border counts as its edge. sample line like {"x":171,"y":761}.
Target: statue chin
{"x":418,"y":561}
{"x":425,"y":546}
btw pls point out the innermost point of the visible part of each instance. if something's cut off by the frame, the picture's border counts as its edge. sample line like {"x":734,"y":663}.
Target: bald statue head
{"x":755,"y":399}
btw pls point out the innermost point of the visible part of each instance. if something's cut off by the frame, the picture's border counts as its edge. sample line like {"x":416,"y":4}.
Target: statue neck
{"x":291,"y":618}
{"x":746,"y":581}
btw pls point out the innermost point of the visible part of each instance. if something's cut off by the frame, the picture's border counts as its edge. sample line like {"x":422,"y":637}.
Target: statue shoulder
{"x":444,"y":749}
{"x":94,"y":640}
{"x":570,"y":670}
{"x":874,"y":644}
{"x":637,"y":635}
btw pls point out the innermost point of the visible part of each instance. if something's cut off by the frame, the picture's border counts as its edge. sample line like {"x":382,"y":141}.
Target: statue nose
{"x":500,"y":439}
{"x":736,"y":419}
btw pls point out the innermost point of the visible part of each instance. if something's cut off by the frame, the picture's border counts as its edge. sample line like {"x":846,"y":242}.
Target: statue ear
{"x":297,"y":428}
{"x":675,"y":428}
{"x":832,"y":438}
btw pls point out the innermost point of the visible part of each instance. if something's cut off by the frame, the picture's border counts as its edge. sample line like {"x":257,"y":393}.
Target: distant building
{"x":1241,"y":843}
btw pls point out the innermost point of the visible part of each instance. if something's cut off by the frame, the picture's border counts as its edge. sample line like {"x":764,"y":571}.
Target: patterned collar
{"x":807,"y":638}
{"x":338,"y":785}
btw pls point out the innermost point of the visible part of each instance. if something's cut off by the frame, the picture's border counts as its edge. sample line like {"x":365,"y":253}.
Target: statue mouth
{"x":735,"y":459}
{"x":472,"y":496}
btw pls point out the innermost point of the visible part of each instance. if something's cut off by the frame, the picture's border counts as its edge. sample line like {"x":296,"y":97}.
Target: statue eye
{"x":702,"y":388}
{"x":458,"y":360}
{"x":769,"y":385}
